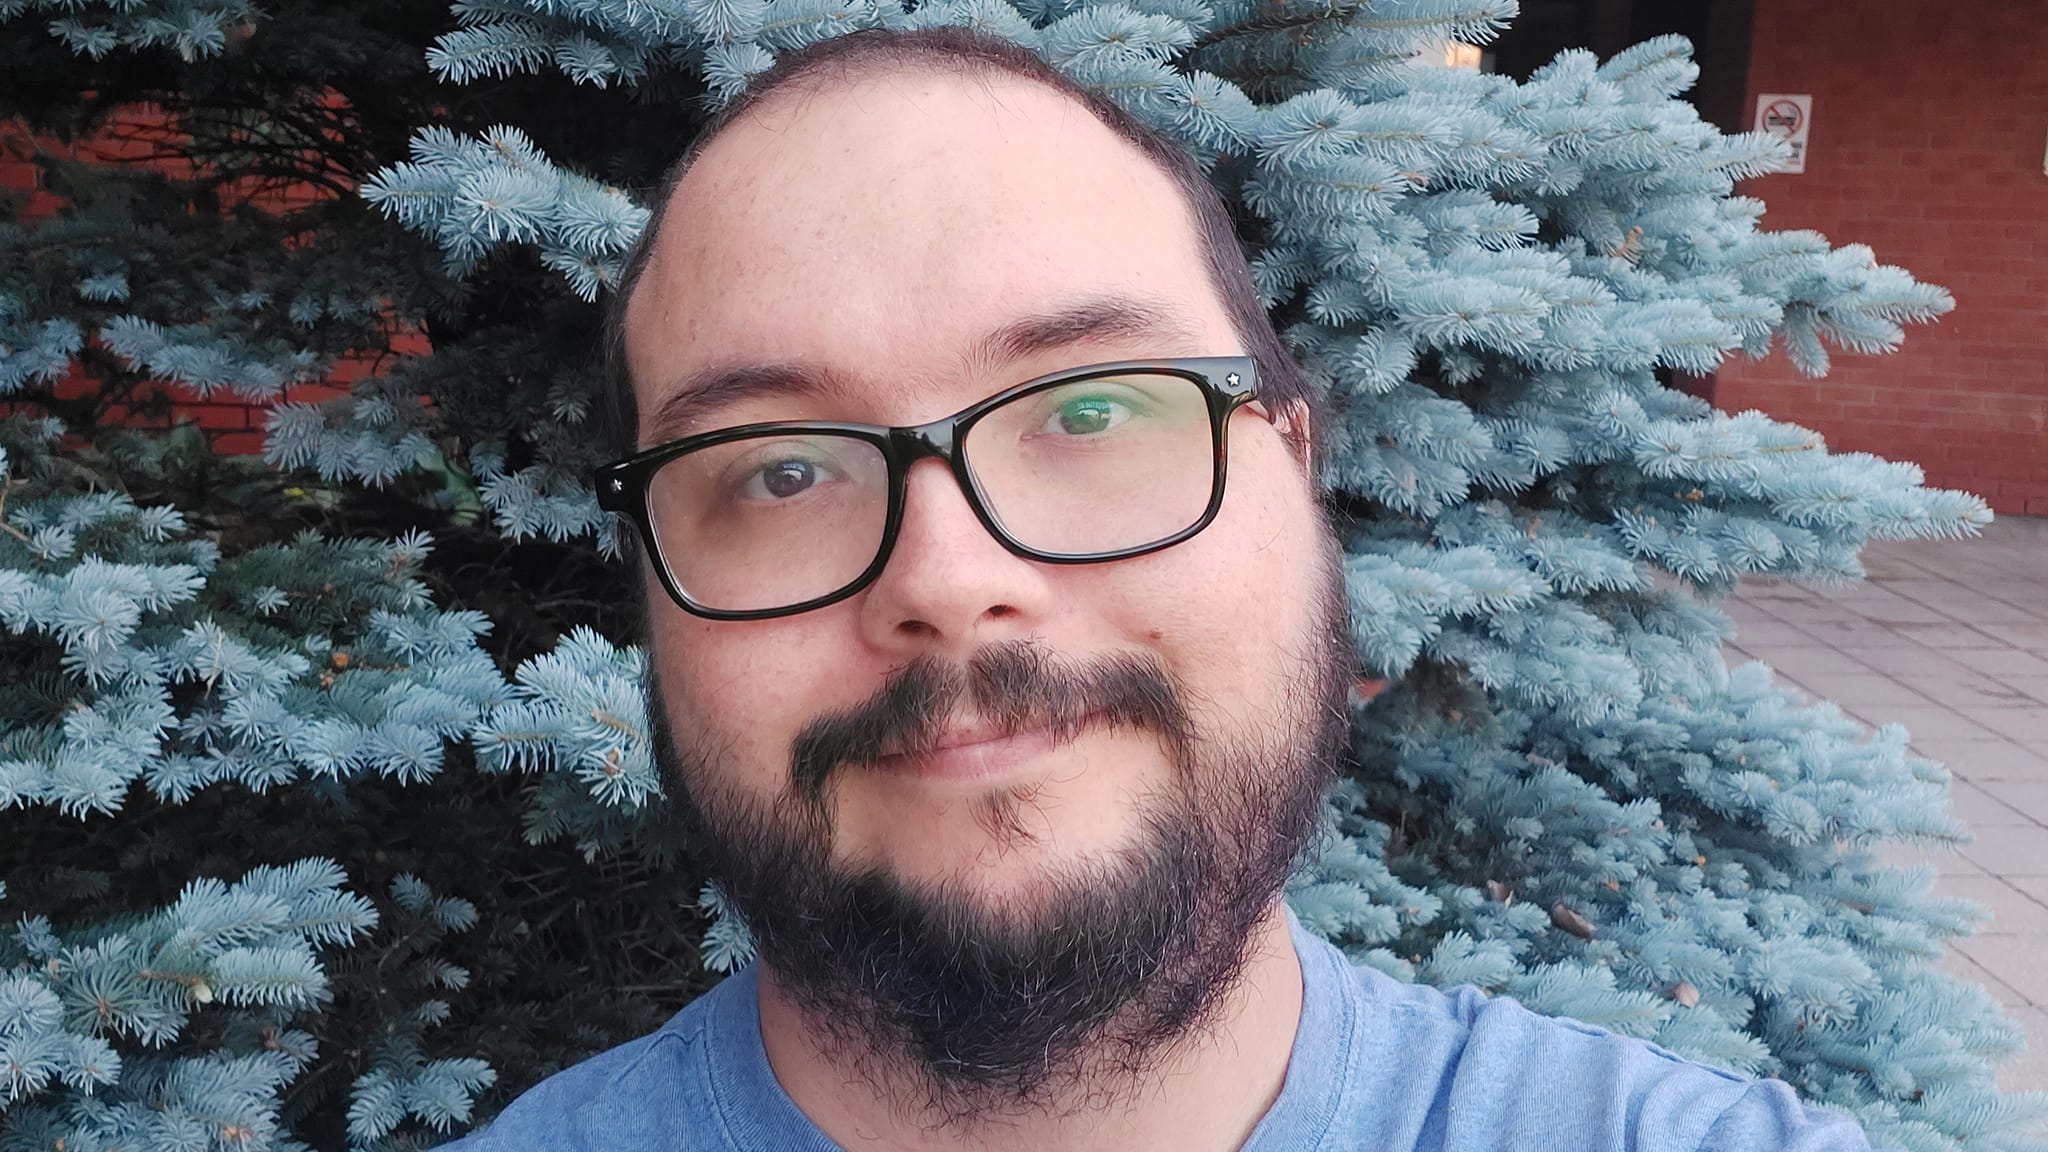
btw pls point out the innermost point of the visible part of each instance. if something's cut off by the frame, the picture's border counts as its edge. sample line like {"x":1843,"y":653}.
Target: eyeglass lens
{"x":1082,"y":468}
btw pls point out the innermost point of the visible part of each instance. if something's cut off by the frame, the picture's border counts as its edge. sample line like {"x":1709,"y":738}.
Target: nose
{"x":949,"y":586}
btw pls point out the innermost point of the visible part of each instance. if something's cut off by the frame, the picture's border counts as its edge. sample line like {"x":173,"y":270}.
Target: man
{"x":1000,"y":651}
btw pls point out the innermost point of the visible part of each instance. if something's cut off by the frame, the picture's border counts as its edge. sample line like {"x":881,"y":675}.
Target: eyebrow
{"x":1099,"y":317}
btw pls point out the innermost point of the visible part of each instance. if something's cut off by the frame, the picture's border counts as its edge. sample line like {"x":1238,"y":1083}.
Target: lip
{"x":976,"y":752}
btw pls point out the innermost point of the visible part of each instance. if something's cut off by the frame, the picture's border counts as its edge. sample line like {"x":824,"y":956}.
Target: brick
{"x":238,"y":443}
{"x":215,"y":417}
{"x":412,"y":343}
{"x":20,"y":176}
{"x":314,"y":393}
{"x":126,"y":417}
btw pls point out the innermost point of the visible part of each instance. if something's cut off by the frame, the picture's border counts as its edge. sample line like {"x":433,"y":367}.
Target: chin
{"x":1069,"y":810}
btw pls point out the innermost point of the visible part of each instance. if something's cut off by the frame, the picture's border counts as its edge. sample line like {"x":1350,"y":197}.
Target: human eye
{"x":780,"y":473}
{"x":1090,"y":412}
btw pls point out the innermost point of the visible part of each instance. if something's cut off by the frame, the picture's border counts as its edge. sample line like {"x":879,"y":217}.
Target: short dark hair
{"x":1282,"y":382}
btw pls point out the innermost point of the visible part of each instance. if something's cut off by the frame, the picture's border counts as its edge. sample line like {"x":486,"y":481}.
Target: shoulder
{"x":1474,"y":1070}
{"x":644,"y":1094}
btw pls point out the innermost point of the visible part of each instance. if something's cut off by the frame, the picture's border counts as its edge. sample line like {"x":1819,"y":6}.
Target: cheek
{"x":739,"y":690}
{"x":1228,"y":609}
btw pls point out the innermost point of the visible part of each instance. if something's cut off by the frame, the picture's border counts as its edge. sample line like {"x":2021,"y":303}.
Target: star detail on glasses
{"x":1232,"y":378}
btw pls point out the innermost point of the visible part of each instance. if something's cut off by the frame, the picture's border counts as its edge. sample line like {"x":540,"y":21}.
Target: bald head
{"x":887,"y":226}
{"x":858,"y":176}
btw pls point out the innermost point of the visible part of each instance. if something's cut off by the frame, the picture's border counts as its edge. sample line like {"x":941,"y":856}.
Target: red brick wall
{"x":1930,"y":118}
{"x":139,"y":136}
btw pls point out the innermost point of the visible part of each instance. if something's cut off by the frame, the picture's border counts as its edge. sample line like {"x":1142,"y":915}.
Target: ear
{"x":1297,"y":428}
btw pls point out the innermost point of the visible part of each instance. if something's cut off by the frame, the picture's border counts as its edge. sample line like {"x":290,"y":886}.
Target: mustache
{"x":1014,"y":686}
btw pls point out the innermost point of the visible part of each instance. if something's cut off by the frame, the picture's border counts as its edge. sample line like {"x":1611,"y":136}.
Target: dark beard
{"x":964,"y":1011}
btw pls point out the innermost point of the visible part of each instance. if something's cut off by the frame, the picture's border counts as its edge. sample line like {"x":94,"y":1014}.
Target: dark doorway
{"x":1719,"y":31}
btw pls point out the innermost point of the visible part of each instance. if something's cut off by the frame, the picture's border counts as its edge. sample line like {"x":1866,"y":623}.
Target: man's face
{"x":879,"y":233}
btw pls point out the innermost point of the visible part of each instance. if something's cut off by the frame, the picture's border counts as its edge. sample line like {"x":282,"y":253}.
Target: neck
{"x":1205,"y":1094}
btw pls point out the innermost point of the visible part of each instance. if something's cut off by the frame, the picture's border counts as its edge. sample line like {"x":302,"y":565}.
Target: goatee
{"x":962,"y":1010}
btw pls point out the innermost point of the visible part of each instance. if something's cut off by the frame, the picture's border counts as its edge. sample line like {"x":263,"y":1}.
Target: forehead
{"x":882,"y":227}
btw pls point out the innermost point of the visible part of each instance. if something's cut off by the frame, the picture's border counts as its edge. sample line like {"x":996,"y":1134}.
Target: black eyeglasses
{"x":1098,"y":463}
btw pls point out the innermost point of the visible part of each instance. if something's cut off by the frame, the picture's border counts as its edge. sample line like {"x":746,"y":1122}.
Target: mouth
{"x":972,"y":751}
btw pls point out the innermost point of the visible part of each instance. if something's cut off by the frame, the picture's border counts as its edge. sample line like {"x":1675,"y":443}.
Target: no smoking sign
{"x":1788,"y":117}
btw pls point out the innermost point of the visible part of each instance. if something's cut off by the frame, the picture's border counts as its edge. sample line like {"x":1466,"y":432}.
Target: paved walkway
{"x":1949,"y":639}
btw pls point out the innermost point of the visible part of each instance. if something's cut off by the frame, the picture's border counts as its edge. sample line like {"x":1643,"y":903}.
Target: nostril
{"x":1000,"y":611}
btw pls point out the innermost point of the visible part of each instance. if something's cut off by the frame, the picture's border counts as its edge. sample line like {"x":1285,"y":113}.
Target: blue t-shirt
{"x":1377,"y":1064}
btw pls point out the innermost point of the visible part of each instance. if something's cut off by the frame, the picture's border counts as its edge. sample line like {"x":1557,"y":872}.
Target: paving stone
{"x":2016,"y":961}
{"x":1875,"y":716}
{"x":2027,"y":594}
{"x":1746,"y":614}
{"x":2013,"y":912}
{"x":1809,"y":665}
{"x":1823,"y":611}
{"x":1979,"y":573}
{"x":2036,"y":887}
{"x":2027,"y":797}
{"x":1857,"y":634}
{"x":1985,"y":761}
{"x":1962,"y":966}
{"x":1948,"y":635}
{"x":1995,"y":591}
{"x":2036,"y":687}
{"x":1963,"y":689}
{"x":2028,"y":726}
{"x":1899,"y":610}
{"x":1974,"y":689}
{"x":1880,"y":586}
{"x":1884,"y":562}
{"x":1773,"y":634}
{"x":2031,"y":637}
{"x":2028,"y":1071}
{"x":1986,"y":613}
{"x":1986,"y":806}
{"x":1768,"y":589}
{"x":1907,"y":661}
{"x":2010,"y":851}
{"x":2005,"y":760}
{"x":1874,"y":594}
{"x":1929,"y":588}
{"x":2004,"y":663}
{"x":1934,"y":722}
{"x":1800,"y":691}
{"x":1855,"y":690}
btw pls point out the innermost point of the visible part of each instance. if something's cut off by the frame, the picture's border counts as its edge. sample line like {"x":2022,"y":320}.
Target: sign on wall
{"x":1788,"y":117}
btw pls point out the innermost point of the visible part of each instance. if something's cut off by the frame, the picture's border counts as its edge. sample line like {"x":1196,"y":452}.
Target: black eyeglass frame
{"x":1227,"y":383}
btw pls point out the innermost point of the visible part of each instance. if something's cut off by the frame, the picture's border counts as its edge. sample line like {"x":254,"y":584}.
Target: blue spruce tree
{"x":328,"y":814}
